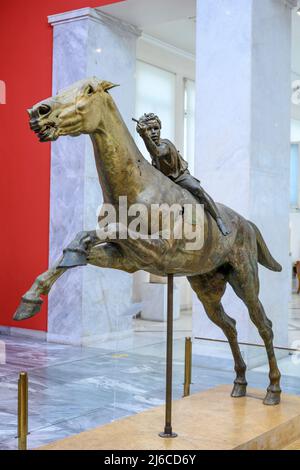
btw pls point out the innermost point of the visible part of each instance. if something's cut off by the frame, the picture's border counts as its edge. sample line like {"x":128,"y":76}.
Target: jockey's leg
{"x":192,"y":184}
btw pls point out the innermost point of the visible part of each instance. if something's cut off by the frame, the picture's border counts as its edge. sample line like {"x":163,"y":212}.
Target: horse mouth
{"x":45,"y":133}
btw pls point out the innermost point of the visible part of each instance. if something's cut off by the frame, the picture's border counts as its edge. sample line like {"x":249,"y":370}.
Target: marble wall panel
{"x":87,"y":302}
{"x":242,"y":137}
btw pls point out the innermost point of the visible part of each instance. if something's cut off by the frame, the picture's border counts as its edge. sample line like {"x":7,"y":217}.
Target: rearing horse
{"x":87,"y":108}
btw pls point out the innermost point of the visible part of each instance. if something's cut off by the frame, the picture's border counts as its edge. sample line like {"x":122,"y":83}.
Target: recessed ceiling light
{"x":99,"y":50}
{"x":298,"y":11}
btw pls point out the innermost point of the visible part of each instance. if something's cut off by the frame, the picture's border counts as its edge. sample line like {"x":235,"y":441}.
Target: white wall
{"x":242,"y":140}
{"x":295,"y":58}
{"x":295,"y":130}
{"x":295,"y":215}
{"x":295,"y":236}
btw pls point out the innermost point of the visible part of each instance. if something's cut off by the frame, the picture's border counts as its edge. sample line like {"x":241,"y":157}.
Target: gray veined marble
{"x":251,"y":118}
{"x":91,"y":302}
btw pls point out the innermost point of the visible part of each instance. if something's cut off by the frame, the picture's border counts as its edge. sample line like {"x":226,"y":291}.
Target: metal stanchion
{"x":187,"y":367}
{"x":22,"y":411}
{"x":168,"y":416}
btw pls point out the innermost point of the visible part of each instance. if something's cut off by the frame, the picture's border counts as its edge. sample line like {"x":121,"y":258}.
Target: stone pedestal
{"x":87,"y":303}
{"x":242,"y":138}
{"x":209,"y":420}
{"x":155,"y":302}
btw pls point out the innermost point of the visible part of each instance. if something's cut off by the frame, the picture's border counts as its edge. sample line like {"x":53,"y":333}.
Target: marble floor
{"x":72,"y":389}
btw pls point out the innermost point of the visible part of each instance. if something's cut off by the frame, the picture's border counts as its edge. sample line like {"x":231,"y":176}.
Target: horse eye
{"x":44,"y":109}
{"x":90,"y":90}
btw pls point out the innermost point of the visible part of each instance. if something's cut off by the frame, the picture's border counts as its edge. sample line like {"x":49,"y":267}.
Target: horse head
{"x":76,"y":110}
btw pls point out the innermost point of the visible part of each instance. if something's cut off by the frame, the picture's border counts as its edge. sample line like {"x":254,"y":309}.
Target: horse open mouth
{"x":46,"y":133}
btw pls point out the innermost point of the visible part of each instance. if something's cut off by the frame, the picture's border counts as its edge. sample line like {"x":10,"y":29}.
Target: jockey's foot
{"x":222,"y":227}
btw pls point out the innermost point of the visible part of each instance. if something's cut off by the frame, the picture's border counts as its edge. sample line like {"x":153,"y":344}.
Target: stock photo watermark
{"x":183,"y":223}
{"x":2,"y":92}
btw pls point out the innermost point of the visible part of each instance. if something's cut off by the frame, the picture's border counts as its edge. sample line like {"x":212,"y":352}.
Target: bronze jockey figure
{"x":167,"y":159}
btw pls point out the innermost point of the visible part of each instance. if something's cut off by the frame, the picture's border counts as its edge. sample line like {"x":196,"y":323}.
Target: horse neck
{"x":117,"y":157}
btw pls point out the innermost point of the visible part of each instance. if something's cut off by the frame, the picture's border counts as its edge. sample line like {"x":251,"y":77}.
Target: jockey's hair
{"x":147,"y":117}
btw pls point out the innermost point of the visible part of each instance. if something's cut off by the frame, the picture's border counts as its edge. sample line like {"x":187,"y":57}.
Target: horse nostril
{"x":44,"y":109}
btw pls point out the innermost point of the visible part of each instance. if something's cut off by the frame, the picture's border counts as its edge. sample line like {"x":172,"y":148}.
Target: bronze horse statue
{"x":88,"y":108}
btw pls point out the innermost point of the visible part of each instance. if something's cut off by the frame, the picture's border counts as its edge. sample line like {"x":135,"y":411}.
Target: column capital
{"x":93,"y":15}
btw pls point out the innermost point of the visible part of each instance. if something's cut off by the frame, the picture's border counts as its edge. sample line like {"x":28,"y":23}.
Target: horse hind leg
{"x":245,"y":283}
{"x":210,"y":289}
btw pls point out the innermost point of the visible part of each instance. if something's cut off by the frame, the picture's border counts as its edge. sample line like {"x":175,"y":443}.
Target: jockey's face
{"x":154,"y":129}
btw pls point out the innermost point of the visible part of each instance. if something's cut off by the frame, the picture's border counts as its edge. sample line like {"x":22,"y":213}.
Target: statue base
{"x":209,"y":420}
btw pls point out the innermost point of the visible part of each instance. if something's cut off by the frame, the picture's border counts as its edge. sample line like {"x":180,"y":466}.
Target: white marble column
{"x":87,"y":303}
{"x":242,"y":137}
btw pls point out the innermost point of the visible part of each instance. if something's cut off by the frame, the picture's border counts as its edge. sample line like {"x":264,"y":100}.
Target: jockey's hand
{"x":142,"y":129}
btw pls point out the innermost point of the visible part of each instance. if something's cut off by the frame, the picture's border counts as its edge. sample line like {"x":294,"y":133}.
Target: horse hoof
{"x":239,"y":390}
{"x":73,"y":258}
{"x":27,"y":308}
{"x":272,"y":398}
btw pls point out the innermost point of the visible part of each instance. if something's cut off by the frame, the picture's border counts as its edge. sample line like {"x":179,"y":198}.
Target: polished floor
{"x":72,"y":389}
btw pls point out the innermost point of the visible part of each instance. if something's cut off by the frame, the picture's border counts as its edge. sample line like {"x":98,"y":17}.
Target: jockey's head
{"x":153,"y":124}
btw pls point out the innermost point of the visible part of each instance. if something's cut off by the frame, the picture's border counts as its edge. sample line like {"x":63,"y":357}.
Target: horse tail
{"x":263,"y":254}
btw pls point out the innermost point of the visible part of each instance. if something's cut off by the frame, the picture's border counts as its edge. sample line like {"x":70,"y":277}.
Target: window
{"x":189,"y":123}
{"x":295,"y":173}
{"x":155,"y":94}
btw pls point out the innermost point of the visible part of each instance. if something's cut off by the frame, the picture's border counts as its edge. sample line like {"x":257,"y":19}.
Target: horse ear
{"x":107,"y":85}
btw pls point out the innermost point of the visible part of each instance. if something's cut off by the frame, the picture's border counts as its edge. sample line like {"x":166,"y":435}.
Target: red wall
{"x":26,"y":68}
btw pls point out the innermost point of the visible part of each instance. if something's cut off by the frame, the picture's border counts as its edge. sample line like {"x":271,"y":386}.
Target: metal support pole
{"x":22,"y":411}
{"x":187,"y":367}
{"x":168,"y":416}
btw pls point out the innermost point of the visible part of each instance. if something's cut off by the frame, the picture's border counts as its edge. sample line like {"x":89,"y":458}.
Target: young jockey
{"x":167,"y":159}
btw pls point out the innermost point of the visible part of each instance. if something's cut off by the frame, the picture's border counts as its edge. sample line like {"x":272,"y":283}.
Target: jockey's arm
{"x":155,"y":150}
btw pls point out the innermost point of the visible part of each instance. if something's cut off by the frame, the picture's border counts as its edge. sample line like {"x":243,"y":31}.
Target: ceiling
{"x":173,"y":21}
{"x":144,"y":13}
{"x":179,"y":33}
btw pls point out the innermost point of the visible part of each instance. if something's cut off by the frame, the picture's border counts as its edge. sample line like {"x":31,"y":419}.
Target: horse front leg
{"x":31,"y":302}
{"x":106,"y":255}
{"x":75,"y":254}
{"x":139,"y":251}
{"x":110,"y":255}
